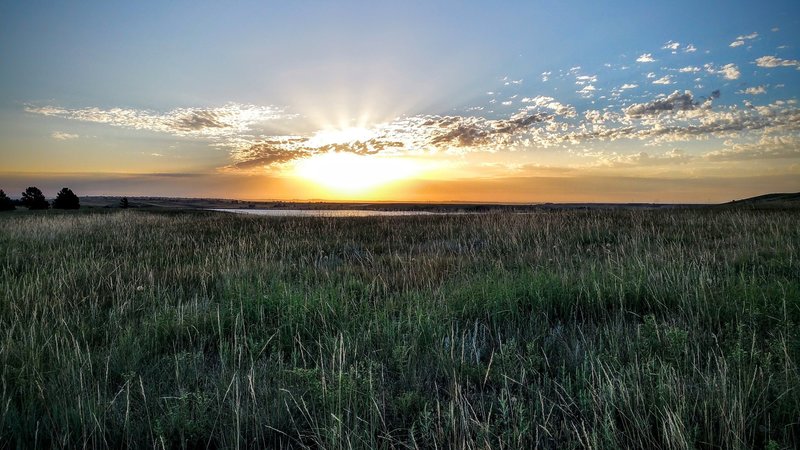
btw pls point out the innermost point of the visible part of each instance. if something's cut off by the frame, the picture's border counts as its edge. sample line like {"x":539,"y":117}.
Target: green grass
{"x":564,"y":329}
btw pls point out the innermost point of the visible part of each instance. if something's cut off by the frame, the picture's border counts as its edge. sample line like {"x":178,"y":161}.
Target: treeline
{"x":33,"y":198}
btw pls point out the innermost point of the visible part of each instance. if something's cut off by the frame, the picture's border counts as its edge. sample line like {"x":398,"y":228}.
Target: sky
{"x":546,"y":101}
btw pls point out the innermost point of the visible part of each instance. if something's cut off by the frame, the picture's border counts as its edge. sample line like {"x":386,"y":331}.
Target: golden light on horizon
{"x":349,"y":174}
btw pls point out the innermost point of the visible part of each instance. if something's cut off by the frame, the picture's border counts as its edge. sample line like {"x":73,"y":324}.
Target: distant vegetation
{"x":555,"y":329}
{"x":33,"y":198}
{"x":66,"y":199}
{"x":6,"y":204}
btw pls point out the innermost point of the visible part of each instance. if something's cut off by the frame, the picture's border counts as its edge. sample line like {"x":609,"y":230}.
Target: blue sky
{"x":498,"y":91}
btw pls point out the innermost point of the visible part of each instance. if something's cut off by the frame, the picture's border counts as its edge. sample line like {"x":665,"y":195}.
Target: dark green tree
{"x":66,"y":199}
{"x":6,"y":204}
{"x":33,"y":198}
{"x":124,"y":203}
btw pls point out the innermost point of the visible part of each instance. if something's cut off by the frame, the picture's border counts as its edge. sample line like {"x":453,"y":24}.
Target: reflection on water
{"x":323,"y":212}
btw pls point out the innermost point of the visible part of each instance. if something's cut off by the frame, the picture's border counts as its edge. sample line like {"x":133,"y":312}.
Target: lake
{"x":323,"y":212}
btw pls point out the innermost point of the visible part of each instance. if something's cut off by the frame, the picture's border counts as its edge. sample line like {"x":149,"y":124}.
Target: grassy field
{"x":562,"y":329}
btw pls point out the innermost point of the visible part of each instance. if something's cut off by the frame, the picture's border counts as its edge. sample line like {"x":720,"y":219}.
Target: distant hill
{"x":777,"y":200}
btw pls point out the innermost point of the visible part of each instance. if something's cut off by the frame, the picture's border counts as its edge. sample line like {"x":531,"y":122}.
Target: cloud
{"x":61,"y":136}
{"x":674,"y":156}
{"x":774,"y":61}
{"x":690,"y":48}
{"x":666,"y":79}
{"x":677,"y":101}
{"x":550,"y":103}
{"x":628,"y":86}
{"x":645,"y":58}
{"x":768,"y":147}
{"x":228,"y":120}
{"x":671,"y":45}
{"x":587,"y":91}
{"x":728,"y":71}
{"x":756,"y":90}
{"x":689,"y":69}
{"x":740,"y":40}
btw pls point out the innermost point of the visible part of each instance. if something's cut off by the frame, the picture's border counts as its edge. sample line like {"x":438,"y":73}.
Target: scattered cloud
{"x":671,"y":45}
{"x":728,"y":71}
{"x":62,"y":136}
{"x":755,"y":90}
{"x":774,"y":61}
{"x":768,"y":147}
{"x":587,"y":91}
{"x":740,"y":40}
{"x":689,"y":69}
{"x":690,"y":48}
{"x":666,"y":79}
{"x":677,"y":101}
{"x":645,"y":58}
{"x":231,"y":119}
{"x":628,"y":86}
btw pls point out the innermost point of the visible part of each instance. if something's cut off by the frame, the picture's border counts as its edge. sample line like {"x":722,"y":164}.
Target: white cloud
{"x":689,"y":69}
{"x":730,"y":71}
{"x":690,"y":48}
{"x":651,"y":75}
{"x":645,"y":58}
{"x":768,"y":147}
{"x":774,"y":29}
{"x":587,"y":90}
{"x":756,"y":90}
{"x":666,"y":79}
{"x":740,"y":40}
{"x":774,"y":61}
{"x":584,"y":79}
{"x":225,"y":121}
{"x":61,"y":136}
{"x":628,"y":86}
{"x":671,"y":45}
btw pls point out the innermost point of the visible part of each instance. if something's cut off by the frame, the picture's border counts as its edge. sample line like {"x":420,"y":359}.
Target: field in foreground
{"x":562,"y":329}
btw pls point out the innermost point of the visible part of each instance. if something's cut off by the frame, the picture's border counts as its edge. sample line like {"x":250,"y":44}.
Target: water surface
{"x":323,"y":212}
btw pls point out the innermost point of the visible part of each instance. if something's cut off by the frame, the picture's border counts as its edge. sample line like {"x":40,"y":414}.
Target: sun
{"x":349,"y":173}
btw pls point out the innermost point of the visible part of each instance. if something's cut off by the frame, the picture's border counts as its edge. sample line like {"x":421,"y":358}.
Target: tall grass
{"x":566,"y":329}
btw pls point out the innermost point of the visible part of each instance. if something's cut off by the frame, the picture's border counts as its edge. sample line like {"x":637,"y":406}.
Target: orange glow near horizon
{"x":350,"y":175}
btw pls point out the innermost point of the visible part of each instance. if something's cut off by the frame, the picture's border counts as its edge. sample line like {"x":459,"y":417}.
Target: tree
{"x":6,"y":204}
{"x":124,"y":203}
{"x":66,"y":199}
{"x":33,"y":198}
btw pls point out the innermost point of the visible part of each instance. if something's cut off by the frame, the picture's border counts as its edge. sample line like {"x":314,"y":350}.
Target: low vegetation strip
{"x":554,"y":329}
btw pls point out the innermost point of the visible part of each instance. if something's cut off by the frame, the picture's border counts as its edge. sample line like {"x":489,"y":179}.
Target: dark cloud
{"x":676,"y":101}
{"x":199,"y":120}
{"x":265,"y":154}
{"x":471,"y":133}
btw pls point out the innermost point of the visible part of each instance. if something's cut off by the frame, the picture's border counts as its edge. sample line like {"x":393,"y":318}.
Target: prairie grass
{"x":563,"y":329}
